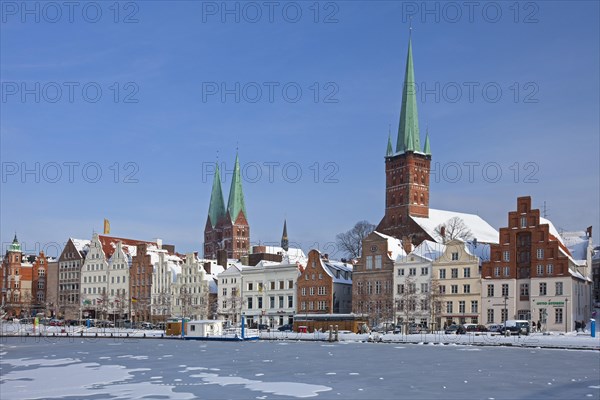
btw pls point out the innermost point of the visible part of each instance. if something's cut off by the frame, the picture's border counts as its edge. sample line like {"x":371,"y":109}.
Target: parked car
{"x":146,"y":325}
{"x":416,"y":328}
{"x":286,"y":328}
{"x":516,"y":327}
{"x":262,"y":327}
{"x":455,"y":330}
{"x":494,"y":328}
{"x":56,"y":322}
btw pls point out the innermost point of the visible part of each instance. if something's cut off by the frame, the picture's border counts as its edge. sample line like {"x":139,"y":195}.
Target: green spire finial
{"x":408,"y":130}
{"x":15,"y":245}
{"x":236,"y":195}
{"x":216,"y":209}
{"x":427,"y":147}
{"x":390,"y":151}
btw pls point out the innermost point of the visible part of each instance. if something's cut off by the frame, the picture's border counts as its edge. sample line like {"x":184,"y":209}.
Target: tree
{"x":351,"y":242}
{"x":408,"y":301}
{"x":435,"y":299}
{"x":454,"y":228}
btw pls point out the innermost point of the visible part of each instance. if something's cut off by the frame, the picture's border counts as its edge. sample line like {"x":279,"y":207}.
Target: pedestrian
{"x":539,"y":325}
{"x":533,"y":326}
{"x":577,"y":326}
{"x":582,"y":325}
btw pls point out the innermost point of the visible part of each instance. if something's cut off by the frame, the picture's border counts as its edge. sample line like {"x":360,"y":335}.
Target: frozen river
{"x":46,"y":368}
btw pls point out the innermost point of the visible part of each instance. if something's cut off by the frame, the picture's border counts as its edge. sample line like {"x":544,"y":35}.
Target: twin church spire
{"x":408,"y":129}
{"x":235,"y":204}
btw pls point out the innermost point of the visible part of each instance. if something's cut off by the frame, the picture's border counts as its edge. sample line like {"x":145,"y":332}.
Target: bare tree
{"x":351,"y":242}
{"x":408,"y":301}
{"x":435,"y":299}
{"x":454,"y":228}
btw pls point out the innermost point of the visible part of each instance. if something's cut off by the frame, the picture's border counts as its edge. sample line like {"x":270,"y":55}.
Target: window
{"x":474,"y":306}
{"x":504,"y":289}
{"x":321,"y":290}
{"x":224,"y":304}
{"x":290,"y":284}
{"x":442,"y":274}
{"x":377,"y":287}
{"x":412,"y":271}
{"x":549,"y":269}
{"x":281,"y":298}
{"x":424,"y":287}
{"x":540,"y":254}
{"x":454,"y":289}
{"x":320,"y":276}
{"x":260,"y":303}
{"x":290,"y":301}
{"x":490,"y":290}
{"x":271,"y":302}
{"x":524,"y":289}
{"x":250,"y":286}
{"x":424,"y":270}
{"x":558,"y":315}
{"x":306,"y":277}
{"x":400,"y":289}
{"x":369,"y":262}
{"x":506,"y":256}
{"x":411,"y":287}
{"x":400,"y":271}
{"x":523,"y":222}
{"x":454,"y":256}
{"x":303,"y":291}
{"x":249,"y":303}
{"x":466,"y":272}
{"x":311,"y":305}
{"x":559,"y":288}
{"x":449,"y":307}
{"x":503,"y":315}
{"x":466,"y":288}
{"x":224,"y":291}
{"x":543,"y":288}
{"x":461,"y":306}
{"x":496,"y":271}
{"x":442,"y":289}
{"x":369,"y":288}
{"x":378,"y":261}
{"x":312,"y":291}
{"x":540,"y":270}
{"x":506,"y":271}
{"x":490,"y":316}
{"x":303,"y":305}
{"x":454,"y":272}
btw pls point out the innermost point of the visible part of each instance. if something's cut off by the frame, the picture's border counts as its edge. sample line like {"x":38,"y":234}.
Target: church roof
{"x":216,"y":210}
{"x":408,"y":129}
{"x":236,"y":204}
{"x":481,"y":230}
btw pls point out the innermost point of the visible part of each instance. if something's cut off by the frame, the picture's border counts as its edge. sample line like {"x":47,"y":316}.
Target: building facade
{"x":373,"y":278}
{"x":325,"y":286}
{"x":70,"y":262}
{"x":532,"y":275}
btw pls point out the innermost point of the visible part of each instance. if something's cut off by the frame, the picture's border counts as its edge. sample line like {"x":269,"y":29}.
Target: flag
{"x":106,"y":226}
{"x":134,"y":299}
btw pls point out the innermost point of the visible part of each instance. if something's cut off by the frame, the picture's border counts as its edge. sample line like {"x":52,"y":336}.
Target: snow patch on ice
{"x":41,"y":362}
{"x":293,"y":389}
{"x":134,"y":357}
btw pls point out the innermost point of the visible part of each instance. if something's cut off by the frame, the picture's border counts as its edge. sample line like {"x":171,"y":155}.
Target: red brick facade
{"x":406,"y":194}
{"x":315,"y":287}
{"x":233,"y":236}
{"x":524,"y":246}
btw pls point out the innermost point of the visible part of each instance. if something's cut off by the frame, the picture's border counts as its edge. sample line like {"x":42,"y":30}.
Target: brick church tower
{"x":407,"y":168}
{"x":227,"y":229}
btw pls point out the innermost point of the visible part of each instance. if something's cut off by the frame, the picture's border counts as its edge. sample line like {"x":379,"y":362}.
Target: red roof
{"x":109,"y":244}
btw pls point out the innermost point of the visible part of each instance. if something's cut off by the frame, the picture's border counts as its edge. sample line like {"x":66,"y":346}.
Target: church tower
{"x":407,"y":168}
{"x":227,"y":228}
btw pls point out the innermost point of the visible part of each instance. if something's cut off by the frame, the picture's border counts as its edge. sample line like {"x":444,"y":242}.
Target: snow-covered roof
{"x":232,"y":270}
{"x":339,"y":271}
{"x":553,"y":230}
{"x":480,"y":229}
{"x":481,"y":250}
{"x":577,"y":275}
{"x":175,"y":270}
{"x":81,"y":245}
{"x":394,"y":246}
{"x":577,"y":243}
{"x":429,"y":250}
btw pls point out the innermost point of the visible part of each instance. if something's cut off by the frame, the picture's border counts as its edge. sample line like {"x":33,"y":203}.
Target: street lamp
{"x":505,"y":312}
{"x":566,"y":314}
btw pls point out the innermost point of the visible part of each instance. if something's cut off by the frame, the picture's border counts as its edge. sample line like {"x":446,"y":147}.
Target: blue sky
{"x":162,"y":115}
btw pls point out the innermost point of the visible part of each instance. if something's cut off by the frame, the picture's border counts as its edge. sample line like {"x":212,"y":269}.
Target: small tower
{"x":285,"y":244}
{"x":213,"y":234}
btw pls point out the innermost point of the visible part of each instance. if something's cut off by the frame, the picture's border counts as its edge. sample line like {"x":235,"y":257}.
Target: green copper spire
{"x":408,"y":130}
{"x":217,"y":205}
{"x":390,"y":151}
{"x":427,"y":148}
{"x":285,"y":244}
{"x":15,"y":245}
{"x":236,"y":195}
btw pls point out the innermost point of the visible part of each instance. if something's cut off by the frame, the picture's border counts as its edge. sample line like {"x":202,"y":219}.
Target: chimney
{"x":589,"y":231}
{"x":443,"y":233}
{"x":222,"y":258}
{"x":406,"y":244}
{"x":159,"y":243}
{"x":207,"y":267}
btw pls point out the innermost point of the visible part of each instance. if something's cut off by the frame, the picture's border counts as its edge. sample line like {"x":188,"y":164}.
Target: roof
{"x":338,"y":271}
{"x":553,"y":230}
{"x":429,"y":250}
{"x":109,"y":244}
{"x":408,"y":129}
{"x":481,"y":230}
{"x":236,"y":204}
{"x":394,"y":246}
{"x":82,"y":246}
{"x":216,"y":210}
{"x":577,"y":243}
{"x":481,"y":250}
